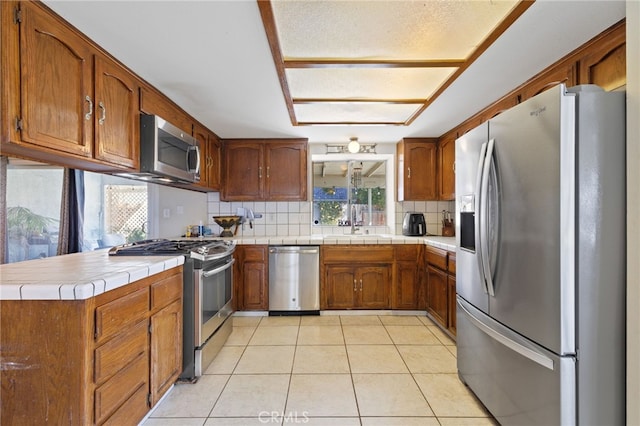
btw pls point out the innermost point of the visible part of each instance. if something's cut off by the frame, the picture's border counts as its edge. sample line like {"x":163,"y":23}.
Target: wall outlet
{"x":166,"y":213}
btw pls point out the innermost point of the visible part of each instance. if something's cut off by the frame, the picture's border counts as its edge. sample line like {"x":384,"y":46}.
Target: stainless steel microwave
{"x":167,"y":154}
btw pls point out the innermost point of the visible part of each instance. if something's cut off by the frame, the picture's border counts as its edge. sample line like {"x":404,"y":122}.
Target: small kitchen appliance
{"x":207,"y":294}
{"x":414,"y":224}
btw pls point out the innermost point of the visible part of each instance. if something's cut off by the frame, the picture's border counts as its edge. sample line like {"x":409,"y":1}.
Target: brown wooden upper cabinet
{"x":264,"y":169}
{"x":209,"y":157}
{"x":605,"y":63}
{"x":447,"y":169}
{"x":66,"y":102}
{"x":417,"y":159}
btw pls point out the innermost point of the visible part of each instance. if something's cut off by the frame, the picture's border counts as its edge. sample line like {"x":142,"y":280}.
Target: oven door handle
{"x":226,"y":266}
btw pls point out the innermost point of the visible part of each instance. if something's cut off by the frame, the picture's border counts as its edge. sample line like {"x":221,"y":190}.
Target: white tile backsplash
{"x":294,"y":218}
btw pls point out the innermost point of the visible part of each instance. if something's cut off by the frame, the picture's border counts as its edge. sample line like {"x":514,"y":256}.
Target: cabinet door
{"x":286,"y":171}
{"x":243,"y":171}
{"x":214,"y":162}
{"x":408,"y":286}
{"x":373,"y":286}
{"x":437,"y":294}
{"x":340,"y":286}
{"x":605,"y":63}
{"x":117,"y":121}
{"x":451,"y":289}
{"x":447,"y":169}
{"x":56,"y":72}
{"x":565,"y":73}
{"x":254,"y":286}
{"x":166,"y":349}
{"x":420,"y":160}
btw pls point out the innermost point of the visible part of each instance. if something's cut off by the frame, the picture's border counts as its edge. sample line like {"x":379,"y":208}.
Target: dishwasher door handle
{"x":287,"y":250}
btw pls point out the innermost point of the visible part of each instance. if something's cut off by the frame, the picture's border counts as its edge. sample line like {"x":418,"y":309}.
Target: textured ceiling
{"x":396,"y":55}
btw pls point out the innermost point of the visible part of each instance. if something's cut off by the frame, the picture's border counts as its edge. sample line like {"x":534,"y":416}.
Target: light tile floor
{"x":364,"y":370}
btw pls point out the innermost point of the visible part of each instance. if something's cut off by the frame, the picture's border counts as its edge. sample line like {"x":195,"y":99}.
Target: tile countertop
{"x":77,"y":276}
{"x":83,"y":275}
{"x":446,"y":243}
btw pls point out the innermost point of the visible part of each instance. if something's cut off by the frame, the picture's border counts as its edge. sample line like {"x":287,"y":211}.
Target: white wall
{"x":172,"y":209}
{"x":633,"y":212}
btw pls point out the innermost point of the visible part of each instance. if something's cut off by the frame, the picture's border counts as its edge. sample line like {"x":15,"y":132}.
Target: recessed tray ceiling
{"x":376,"y":62}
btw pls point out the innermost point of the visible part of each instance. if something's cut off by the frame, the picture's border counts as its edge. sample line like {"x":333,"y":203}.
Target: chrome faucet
{"x":352,"y":214}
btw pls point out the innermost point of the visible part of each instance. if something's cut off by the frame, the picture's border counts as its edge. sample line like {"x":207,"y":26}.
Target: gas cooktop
{"x":198,"y":249}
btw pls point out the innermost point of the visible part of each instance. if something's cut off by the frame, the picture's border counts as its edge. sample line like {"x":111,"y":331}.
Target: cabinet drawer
{"x":132,"y":411}
{"x":255,"y":254}
{"x":165,"y":291}
{"x":407,"y":253}
{"x":452,"y":263}
{"x":437,"y":258}
{"x":119,"y":352}
{"x":350,"y":254}
{"x":114,"y":316}
{"x":119,"y":388}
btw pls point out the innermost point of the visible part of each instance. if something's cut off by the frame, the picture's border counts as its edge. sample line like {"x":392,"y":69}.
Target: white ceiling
{"x":213,"y":59}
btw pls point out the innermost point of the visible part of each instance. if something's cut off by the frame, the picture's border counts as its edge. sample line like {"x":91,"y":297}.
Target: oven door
{"x":213,"y":296}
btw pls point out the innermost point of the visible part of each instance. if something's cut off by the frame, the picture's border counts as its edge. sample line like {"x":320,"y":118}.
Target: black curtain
{"x":71,"y":235}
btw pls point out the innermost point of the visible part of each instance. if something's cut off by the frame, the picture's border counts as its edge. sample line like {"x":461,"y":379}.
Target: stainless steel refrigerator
{"x":540,"y":209}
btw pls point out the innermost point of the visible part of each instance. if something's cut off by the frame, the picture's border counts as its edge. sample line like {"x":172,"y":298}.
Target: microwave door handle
{"x":197,"y":150}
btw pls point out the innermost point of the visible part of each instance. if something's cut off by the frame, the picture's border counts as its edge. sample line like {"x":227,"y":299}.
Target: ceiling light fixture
{"x":354,"y":145}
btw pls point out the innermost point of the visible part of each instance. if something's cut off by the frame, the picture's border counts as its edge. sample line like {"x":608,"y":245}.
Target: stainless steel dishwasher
{"x":294,"y":280}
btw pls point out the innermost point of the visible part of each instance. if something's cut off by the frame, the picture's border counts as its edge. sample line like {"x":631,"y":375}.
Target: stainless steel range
{"x":207,"y":296}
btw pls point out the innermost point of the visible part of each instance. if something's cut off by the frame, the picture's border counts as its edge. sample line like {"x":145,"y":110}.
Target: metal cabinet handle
{"x":260,"y":172}
{"x":409,"y":170}
{"x":103,"y":114}
{"x":268,"y":172}
{"x":355,"y":285}
{"x":360,"y":285}
{"x":88,"y":115}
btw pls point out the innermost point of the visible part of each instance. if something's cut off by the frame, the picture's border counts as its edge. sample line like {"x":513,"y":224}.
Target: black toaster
{"x":414,"y":224}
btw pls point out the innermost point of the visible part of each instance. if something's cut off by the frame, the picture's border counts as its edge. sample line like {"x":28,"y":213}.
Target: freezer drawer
{"x":294,"y":279}
{"x":519,"y":382}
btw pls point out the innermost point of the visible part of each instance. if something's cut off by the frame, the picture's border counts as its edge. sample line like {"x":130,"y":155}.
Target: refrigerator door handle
{"x":477,"y":216}
{"x":484,"y":219}
{"x":528,"y":353}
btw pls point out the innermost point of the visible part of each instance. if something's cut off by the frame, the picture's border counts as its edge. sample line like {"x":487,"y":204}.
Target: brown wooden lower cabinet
{"x":103,"y":360}
{"x":437,"y":303}
{"x":441,"y":287}
{"x":251,"y":279}
{"x":357,"y":287}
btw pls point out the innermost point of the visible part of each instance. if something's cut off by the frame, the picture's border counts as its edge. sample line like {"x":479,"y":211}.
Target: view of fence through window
{"x":125,"y":211}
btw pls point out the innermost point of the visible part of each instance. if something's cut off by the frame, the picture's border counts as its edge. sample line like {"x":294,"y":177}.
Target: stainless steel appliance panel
{"x":601,"y":261}
{"x":468,"y":280}
{"x":213,"y":298}
{"x":534,"y":161}
{"x":519,"y":382}
{"x":294,"y":278}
